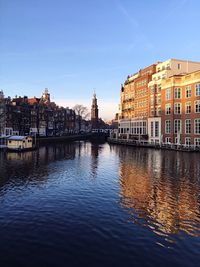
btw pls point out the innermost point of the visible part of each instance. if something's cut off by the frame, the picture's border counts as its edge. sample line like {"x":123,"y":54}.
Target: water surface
{"x":99,"y":205}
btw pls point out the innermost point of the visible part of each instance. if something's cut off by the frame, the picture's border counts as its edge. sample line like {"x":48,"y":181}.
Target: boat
{"x":19,"y":143}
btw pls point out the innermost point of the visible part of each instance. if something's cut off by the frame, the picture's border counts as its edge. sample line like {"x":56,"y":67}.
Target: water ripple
{"x":99,"y":205}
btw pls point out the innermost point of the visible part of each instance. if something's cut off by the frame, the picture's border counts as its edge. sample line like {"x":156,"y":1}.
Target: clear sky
{"x":73,"y":46}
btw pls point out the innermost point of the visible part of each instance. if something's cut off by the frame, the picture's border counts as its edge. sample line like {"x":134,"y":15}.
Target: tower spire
{"x":94,"y":95}
{"x":94,"y":112}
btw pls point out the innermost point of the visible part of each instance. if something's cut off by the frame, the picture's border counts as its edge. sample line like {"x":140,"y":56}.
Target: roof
{"x":33,"y":100}
{"x":17,"y":137}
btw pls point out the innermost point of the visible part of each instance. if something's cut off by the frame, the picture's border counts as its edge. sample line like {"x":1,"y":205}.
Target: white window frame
{"x":188,"y":91}
{"x":188,"y":126}
{"x":168,"y":93}
{"x":197,"y":106}
{"x":176,"y":109}
{"x":187,"y":141}
{"x":177,"y":129}
{"x":197,"y":89}
{"x":156,"y":131}
{"x":152,"y":129}
{"x":197,"y":141}
{"x":168,"y":126}
{"x":197,"y":126}
{"x":188,"y":104}
{"x":167,"y":109}
{"x":168,"y":140}
{"x":177,"y":93}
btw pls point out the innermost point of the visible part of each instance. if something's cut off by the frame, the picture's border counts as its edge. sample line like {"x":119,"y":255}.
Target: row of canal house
{"x":31,"y":116}
{"x":161,"y":104}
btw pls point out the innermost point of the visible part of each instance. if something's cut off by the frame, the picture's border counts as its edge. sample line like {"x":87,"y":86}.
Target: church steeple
{"x":94,"y":112}
{"x":45,"y":96}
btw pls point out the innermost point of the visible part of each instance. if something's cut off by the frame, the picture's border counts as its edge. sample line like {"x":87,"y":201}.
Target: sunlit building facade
{"x":164,"y":70}
{"x":134,"y":103}
{"x":142,"y":102}
{"x":181,"y":109}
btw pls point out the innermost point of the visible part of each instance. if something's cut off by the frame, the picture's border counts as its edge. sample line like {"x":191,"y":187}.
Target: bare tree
{"x":82,"y":113}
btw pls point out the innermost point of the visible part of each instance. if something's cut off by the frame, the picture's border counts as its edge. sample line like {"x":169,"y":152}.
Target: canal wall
{"x":60,"y":139}
{"x":64,"y":139}
{"x":98,"y":137}
{"x":135,"y":143}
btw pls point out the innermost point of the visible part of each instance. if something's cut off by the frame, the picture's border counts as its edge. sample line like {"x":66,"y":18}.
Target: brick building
{"x":134,"y":103}
{"x":180,"y":100}
{"x":23,"y":116}
{"x":144,"y":107}
{"x":164,"y":70}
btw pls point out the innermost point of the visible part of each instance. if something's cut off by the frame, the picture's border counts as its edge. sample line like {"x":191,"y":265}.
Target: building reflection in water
{"x":33,"y":165}
{"x":160,"y":189}
{"x":94,"y":158}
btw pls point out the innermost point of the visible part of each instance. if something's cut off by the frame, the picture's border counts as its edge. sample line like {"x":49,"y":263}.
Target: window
{"x":168,"y":94}
{"x":187,"y":141}
{"x":152,"y":100}
{"x":131,"y":130}
{"x":168,"y":140}
{"x":197,"y":89}
{"x":188,"y":126}
{"x":158,"y":111}
{"x":188,"y":91}
{"x":197,"y":126}
{"x":177,"y":108}
{"x":168,"y":109}
{"x":197,"y":141}
{"x":159,"y":88}
{"x":144,"y":128}
{"x":141,"y":83}
{"x":152,"y":128}
{"x":197,"y":106}
{"x":152,"y":89}
{"x":158,"y":100}
{"x":177,"y":93}
{"x":188,"y":107}
{"x":179,"y":66}
{"x":156,"y":128}
{"x":176,"y":140}
{"x":177,"y":126}
{"x":167,"y":126}
{"x":152,"y":112}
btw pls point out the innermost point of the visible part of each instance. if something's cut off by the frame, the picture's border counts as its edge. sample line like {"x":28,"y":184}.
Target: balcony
{"x":128,"y":99}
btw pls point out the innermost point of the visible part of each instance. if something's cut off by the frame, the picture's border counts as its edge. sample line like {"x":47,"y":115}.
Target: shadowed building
{"x":24,"y":116}
{"x":94,"y":113}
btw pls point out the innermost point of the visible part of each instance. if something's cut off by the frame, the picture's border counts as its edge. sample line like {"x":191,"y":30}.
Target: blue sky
{"x":74,"y":46}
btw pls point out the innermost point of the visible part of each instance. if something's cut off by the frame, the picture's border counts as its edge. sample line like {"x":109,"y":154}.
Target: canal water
{"x":87,"y":204}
